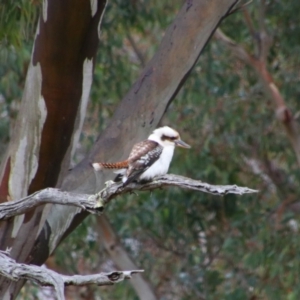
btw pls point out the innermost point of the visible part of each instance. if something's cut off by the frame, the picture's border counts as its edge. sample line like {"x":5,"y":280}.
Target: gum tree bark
{"x":45,"y":277}
{"x":53,"y":107}
{"x":95,"y":204}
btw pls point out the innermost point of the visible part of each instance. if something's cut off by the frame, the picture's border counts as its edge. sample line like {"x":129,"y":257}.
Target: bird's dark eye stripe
{"x":171,"y":138}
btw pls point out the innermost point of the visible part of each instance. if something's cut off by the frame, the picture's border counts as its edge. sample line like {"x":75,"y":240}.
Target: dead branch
{"x":50,"y":195}
{"x":237,"y":49}
{"x":96,"y":203}
{"x":45,"y":277}
{"x":114,"y":189}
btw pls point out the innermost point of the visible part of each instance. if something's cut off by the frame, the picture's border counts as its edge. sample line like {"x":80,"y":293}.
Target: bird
{"x":147,"y":159}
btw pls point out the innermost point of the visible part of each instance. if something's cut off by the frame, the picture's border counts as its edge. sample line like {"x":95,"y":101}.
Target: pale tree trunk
{"x":53,"y":107}
{"x":47,"y":129}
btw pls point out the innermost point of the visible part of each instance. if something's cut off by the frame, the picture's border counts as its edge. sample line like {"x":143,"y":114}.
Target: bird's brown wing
{"x":142,"y":156}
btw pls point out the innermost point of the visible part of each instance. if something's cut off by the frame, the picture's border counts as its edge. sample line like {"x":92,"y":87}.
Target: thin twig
{"x":265,"y":39}
{"x":136,"y":49}
{"x":250,"y":25}
{"x":239,"y":8}
{"x":283,"y":114}
{"x":237,"y":49}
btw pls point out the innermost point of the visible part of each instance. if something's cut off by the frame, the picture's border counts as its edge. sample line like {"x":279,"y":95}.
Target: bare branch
{"x":283,"y":114}
{"x":250,"y":25}
{"x":96,"y":203}
{"x":265,"y":40}
{"x":45,"y":277}
{"x":136,"y":49}
{"x":114,"y":189}
{"x":239,"y":8}
{"x":237,"y":49}
{"x":49,"y":195}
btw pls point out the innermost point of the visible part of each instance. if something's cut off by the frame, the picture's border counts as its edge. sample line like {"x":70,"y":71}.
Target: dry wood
{"x":49,"y":195}
{"x":112,"y":189}
{"x":96,"y":203}
{"x":9,"y":268}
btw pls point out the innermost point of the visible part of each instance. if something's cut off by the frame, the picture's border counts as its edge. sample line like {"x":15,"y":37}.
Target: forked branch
{"x":50,"y":195}
{"x":283,"y":114}
{"x":14,"y":271}
{"x":45,"y":277}
{"x":96,"y":203}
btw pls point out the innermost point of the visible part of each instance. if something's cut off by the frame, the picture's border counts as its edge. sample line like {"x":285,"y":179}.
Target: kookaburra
{"x":148,"y":158}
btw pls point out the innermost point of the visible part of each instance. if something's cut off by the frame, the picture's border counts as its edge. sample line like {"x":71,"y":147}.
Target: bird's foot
{"x":144,"y":181}
{"x":98,"y":196}
{"x":109,"y":183}
{"x":99,"y":206}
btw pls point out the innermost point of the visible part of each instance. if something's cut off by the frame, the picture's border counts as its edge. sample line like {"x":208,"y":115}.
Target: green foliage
{"x":18,"y":20}
{"x":194,"y":245}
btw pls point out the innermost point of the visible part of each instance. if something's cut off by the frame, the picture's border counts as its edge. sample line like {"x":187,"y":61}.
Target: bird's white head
{"x":166,"y":136}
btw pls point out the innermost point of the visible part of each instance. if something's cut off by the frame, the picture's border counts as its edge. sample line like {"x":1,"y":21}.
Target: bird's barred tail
{"x":111,"y":166}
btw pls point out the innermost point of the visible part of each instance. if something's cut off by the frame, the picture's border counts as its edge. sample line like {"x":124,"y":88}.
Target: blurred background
{"x":191,"y":245}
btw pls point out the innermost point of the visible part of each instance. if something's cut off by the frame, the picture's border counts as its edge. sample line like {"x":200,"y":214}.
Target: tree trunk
{"x":50,"y":120}
{"x":53,"y":107}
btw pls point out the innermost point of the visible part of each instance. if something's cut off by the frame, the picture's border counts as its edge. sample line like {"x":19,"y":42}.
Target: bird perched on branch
{"x":148,"y":158}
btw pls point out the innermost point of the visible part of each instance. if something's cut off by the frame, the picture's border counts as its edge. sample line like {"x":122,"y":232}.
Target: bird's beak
{"x":182,"y":144}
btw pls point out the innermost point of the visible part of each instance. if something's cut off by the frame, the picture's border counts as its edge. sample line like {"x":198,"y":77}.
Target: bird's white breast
{"x":161,"y":166}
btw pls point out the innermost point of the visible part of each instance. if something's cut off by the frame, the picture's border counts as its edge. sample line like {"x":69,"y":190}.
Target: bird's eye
{"x":170,"y":138}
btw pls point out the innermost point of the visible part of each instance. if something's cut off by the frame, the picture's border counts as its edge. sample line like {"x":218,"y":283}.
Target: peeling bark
{"x":9,"y":268}
{"x":96,"y":203}
{"x":145,"y":103}
{"x":53,"y":107}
